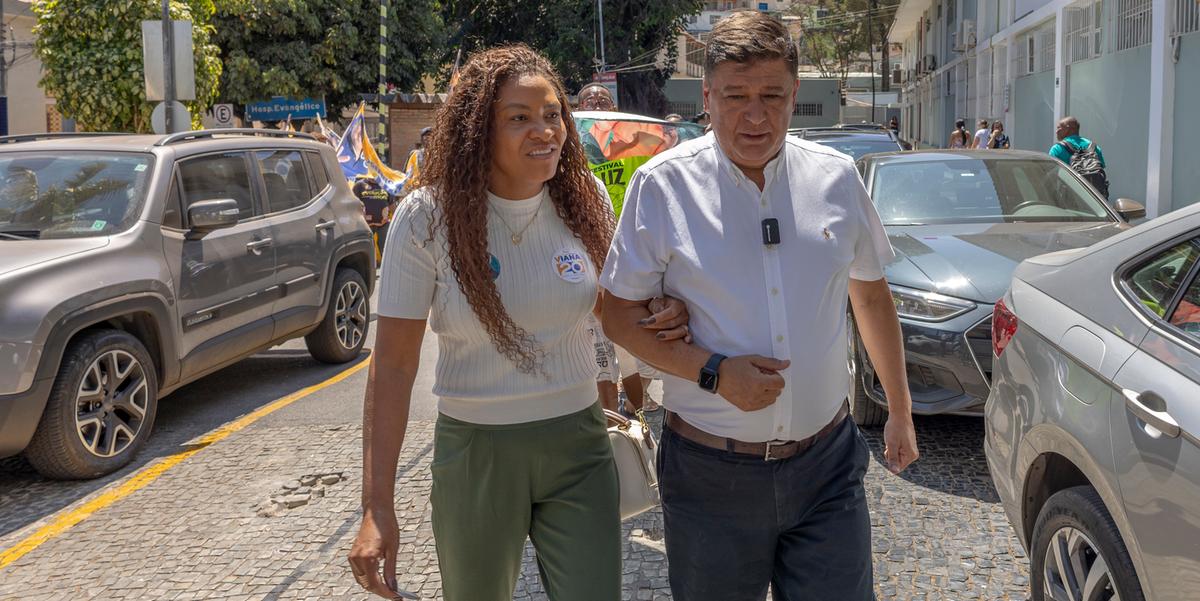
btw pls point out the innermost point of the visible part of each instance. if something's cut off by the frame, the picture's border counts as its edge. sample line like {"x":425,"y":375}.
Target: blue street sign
{"x":278,"y":108}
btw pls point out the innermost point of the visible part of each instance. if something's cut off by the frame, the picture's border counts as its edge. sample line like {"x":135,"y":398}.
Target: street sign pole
{"x":168,"y":65}
{"x":600,"y":10}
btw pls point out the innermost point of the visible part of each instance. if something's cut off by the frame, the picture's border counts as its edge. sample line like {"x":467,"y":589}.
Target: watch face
{"x":708,"y":380}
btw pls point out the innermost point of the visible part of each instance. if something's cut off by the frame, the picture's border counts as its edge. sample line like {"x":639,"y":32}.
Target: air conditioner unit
{"x":964,"y":37}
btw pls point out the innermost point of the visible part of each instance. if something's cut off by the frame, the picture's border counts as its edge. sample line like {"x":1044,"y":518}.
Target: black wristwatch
{"x":709,"y":379}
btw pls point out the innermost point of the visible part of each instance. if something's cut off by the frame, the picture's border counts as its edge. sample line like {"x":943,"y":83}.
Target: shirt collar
{"x":771,"y":171}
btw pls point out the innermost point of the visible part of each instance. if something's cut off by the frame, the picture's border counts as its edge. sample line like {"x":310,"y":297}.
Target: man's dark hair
{"x":748,"y":37}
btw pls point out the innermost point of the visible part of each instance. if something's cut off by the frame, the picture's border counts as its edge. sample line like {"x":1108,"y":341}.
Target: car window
{"x":857,"y":147}
{"x":982,"y":191}
{"x":1156,"y":281}
{"x":218,"y":176}
{"x":171,"y":216}
{"x":316,"y":169}
{"x":1186,"y":315}
{"x":285,"y":178}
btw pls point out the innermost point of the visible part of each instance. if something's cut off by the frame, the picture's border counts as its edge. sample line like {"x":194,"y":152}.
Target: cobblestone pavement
{"x":197,"y":533}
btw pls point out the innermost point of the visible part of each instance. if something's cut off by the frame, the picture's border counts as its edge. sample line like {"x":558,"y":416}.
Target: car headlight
{"x":927,"y":306}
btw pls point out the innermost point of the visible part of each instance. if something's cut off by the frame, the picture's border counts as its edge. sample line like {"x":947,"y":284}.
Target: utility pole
{"x":600,"y":14}
{"x":871,"y":51}
{"x":381,"y":132}
{"x":884,"y":64}
{"x":168,"y":66}
{"x":3,"y":76}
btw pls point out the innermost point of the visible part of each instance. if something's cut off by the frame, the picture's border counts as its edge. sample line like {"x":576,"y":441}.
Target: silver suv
{"x":131,"y":265}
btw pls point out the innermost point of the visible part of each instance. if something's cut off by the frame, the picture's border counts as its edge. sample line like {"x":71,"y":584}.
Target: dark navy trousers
{"x":735,"y":523}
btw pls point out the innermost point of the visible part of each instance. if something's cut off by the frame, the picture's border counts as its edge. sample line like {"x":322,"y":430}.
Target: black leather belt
{"x":768,"y":451}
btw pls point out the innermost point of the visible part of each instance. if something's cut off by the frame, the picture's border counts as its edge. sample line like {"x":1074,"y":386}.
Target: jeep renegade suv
{"x":131,"y":265}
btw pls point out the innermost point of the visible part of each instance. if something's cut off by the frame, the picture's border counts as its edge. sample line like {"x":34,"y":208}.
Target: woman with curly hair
{"x":500,"y":250}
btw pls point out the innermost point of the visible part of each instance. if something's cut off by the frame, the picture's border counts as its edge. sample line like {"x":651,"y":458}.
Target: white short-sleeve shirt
{"x":692,"y":229}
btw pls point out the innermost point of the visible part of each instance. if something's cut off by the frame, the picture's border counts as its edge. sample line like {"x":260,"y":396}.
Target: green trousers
{"x":553,"y":481}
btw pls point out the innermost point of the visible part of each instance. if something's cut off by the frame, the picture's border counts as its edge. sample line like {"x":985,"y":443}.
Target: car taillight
{"x":1004,"y":327}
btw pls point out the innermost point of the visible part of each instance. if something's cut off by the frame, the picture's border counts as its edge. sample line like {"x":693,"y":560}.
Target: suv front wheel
{"x":343,"y":331}
{"x":101,"y":408}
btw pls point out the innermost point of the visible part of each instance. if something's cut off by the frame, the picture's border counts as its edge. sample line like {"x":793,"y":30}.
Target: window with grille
{"x":809,"y":109}
{"x":1186,"y":17}
{"x":1131,"y":24}
{"x":1049,"y":40}
{"x":1083,"y":31}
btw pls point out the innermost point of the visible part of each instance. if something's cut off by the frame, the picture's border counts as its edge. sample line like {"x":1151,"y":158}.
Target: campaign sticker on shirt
{"x":494,"y":267}
{"x":570,"y":265}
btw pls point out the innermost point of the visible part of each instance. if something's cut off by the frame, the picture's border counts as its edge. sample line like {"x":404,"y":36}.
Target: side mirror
{"x":1130,"y":209}
{"x":208,"y":215}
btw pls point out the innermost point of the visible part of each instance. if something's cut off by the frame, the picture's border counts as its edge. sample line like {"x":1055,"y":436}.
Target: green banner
{"x":616,"y":175}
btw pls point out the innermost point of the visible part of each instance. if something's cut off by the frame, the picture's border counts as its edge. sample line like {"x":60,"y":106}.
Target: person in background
{"x":981,"y":135}
{"x":998,"y":140}
{"x":701,"y":118}
{"x":894,"y":125}
{"x":378,"y":206}
{"x":416,"y":158}
{"x":673,"y":118}
{"x":960,"y":137}
{"x":596,"y":97}
{"x":1084,"y":156}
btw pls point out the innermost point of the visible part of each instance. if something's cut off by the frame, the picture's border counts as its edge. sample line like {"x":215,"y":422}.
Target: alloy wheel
{"x":111,"y":403}
{"x":1075,"y":570}
{"x":350,"y":314}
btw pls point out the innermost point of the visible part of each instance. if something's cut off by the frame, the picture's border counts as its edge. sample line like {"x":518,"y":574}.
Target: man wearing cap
{"x":416,"y":158}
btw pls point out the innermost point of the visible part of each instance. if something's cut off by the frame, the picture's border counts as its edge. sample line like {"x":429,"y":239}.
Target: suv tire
{"x":343,"y":330}
{"x":1078,"y":526}
{"x":91,"y":426}
{"x":864,"y":411}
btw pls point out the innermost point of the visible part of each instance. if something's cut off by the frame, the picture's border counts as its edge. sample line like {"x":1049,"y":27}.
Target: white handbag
{"x":634,"y":450}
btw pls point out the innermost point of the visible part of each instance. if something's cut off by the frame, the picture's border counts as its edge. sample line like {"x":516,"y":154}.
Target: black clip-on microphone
{"x":770,"y":231}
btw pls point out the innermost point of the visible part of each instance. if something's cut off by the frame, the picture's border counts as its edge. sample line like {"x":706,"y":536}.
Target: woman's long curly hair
{"x":457,"y":167}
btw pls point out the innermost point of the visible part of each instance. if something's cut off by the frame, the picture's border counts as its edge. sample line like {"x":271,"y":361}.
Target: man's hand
{"x":751,"y":382}
{"x":899,"y":443}
{"x":669,"y":317}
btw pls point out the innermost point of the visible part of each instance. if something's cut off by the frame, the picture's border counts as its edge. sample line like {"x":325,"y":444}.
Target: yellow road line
{"x":151,"y":472}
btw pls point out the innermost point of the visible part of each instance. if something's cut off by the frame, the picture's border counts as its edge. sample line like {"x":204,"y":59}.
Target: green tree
{"x":834,"y":42}
{"x":324,"y":48}
{"x":91,"y":54}
{"x":566,"y":32}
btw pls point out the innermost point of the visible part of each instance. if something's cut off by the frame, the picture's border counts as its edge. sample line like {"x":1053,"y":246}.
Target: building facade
{"x":1129,"y":70}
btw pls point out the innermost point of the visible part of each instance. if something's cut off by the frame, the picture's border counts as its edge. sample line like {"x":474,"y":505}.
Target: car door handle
{"x":1152,"y":409}
{"x":258,"y":245}
{"x":324,"y":226}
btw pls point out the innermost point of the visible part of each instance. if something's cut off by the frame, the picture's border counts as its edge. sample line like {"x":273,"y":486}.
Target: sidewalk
{"x":197,"y":532}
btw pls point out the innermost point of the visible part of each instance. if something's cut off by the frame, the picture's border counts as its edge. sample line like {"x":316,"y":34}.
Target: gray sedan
{"x":960,"y":222}
{"x":1093,"y":417}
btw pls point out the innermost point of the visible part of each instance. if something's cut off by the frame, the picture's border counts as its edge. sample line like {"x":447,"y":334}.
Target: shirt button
{"x":764,"y":202}
{"x":774,"y":291}
{"x":779,"y":338}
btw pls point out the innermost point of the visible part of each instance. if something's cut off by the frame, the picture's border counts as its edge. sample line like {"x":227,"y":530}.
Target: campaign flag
{"x":350,"y":149}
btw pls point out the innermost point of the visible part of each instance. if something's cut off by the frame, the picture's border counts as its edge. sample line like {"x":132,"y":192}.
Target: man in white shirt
{"x":764,"y":237}
{"x":981,"y":135}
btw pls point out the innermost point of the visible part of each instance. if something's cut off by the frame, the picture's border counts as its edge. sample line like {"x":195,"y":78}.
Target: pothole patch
{"x":298,"y":493}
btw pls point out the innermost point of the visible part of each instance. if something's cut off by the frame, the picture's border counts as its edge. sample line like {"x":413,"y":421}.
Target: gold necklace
{"x":516,"y":237}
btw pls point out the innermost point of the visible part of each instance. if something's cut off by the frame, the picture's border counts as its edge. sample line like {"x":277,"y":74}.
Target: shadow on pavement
{"x":191,"y":411}
{"x":952,"y":459}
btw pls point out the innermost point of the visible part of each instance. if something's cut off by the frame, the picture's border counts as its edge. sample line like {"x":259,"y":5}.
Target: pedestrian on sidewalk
{"x":981,"y":135}
{"x":960,"y":136}
{"x":997,"y":140}
{"x":499,"y":254}
{"x":1084,"y":156}
{"x":760,"y":468}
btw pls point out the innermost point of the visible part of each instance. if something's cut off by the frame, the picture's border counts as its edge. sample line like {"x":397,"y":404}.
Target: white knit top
{"x":548,"y":286}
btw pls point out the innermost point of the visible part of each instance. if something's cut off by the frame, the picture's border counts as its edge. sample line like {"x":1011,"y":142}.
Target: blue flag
{"x":350,"y":150}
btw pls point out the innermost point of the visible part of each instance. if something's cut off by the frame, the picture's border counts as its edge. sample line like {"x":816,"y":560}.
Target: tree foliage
{"x":566,"y":32}
{"x":314,"y":48}
{"x":835,"y":42}
{"x":91,"y":55}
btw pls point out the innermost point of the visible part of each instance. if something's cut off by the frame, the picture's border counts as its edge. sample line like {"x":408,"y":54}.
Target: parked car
{"x":855,"y":143}
{"x":131,"y":265}
{"x":1093,"y":419}
{"x":960,"y":222}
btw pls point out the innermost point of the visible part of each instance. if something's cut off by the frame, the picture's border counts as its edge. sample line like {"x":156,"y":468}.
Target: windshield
{"x":857,"y":147}
{"x":84,"y":194}
{"x":982,"y":191}
{"x":607,"y":140}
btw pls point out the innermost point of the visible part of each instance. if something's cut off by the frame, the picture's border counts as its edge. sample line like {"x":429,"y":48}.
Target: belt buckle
{"x":772,"y":443}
